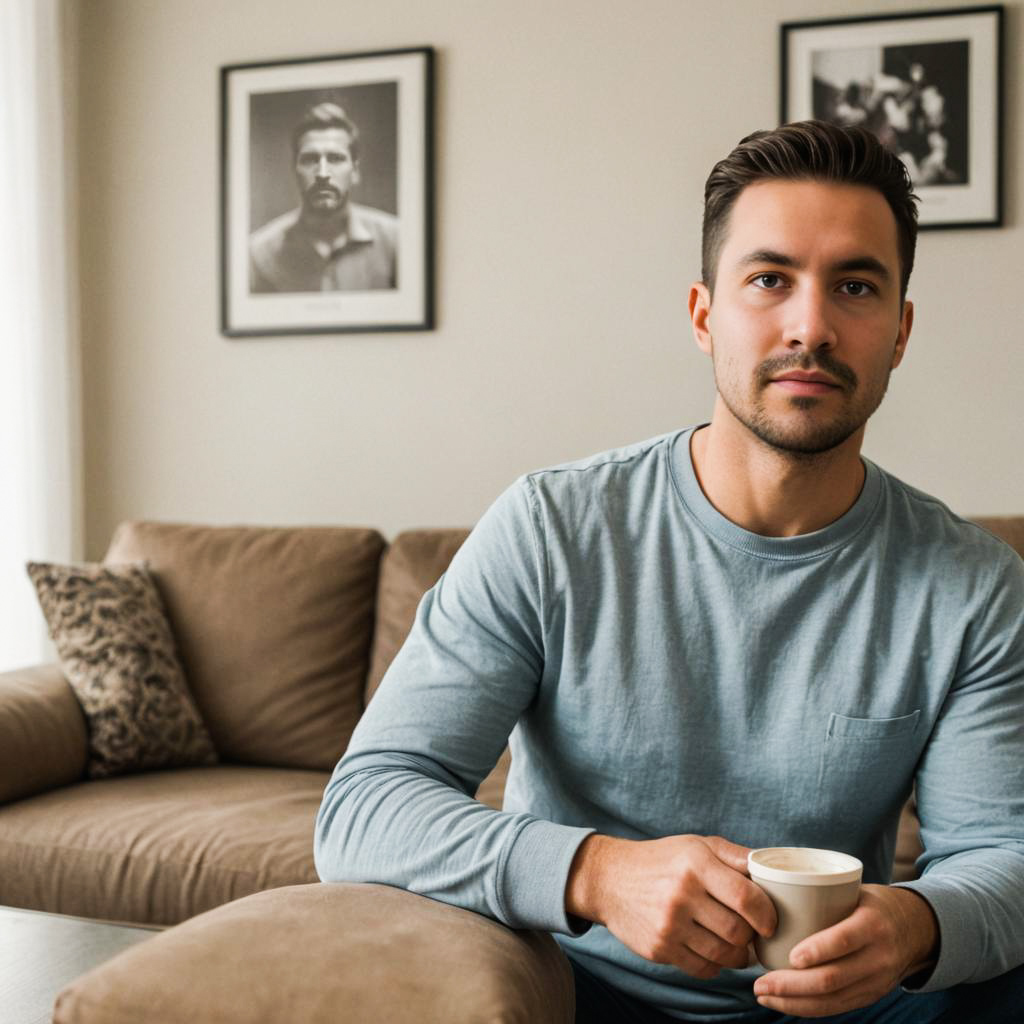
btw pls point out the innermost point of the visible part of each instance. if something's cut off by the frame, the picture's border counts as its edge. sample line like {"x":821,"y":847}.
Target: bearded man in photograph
{"x":328,"y":243}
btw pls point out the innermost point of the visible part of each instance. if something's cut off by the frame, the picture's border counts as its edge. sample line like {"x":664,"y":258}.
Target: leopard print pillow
{"x":118,"y":654}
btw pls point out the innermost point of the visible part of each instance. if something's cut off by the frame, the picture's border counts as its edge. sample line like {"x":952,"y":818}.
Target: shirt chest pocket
{"x":870,"y":730}
{"x":873,"y":758}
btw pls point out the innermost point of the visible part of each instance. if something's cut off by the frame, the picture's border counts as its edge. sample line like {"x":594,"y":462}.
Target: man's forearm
{"x":389,"y":818}
{"x":921,"y":928}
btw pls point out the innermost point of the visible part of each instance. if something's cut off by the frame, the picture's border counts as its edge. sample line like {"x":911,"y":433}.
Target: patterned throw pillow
{"x":117,"y":652}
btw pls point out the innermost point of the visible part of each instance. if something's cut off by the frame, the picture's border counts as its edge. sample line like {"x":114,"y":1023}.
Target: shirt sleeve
{"x":399,"y":808}
{"x":970,"y":796}
{"x":258,"y":282}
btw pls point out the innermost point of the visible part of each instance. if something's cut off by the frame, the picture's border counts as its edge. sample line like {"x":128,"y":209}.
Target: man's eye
{"x":855,"y":288}
{"x":768,"y":281}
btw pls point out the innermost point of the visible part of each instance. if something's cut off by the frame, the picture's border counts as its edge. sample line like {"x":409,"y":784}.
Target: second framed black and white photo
{"x":928,"y":84}
{"x":326,"y":194}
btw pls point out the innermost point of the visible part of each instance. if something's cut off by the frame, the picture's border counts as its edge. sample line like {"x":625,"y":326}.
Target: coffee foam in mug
{"x":800,"y":865}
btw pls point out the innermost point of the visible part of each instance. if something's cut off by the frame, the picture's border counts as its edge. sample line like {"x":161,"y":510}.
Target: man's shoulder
{"x":928,"y":524}
{"x":570,"y":510}
{"x":271,"y":235}
{"x":618,"y":489}
{"x":593,"y":470}
{"x":378,"y":223}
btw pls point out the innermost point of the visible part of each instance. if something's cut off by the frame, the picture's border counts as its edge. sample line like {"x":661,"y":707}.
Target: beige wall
{"x":573,"y":138}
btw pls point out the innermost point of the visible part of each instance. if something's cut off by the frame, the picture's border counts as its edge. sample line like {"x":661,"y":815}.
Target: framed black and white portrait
{"x":928,"y":84}
{"x":327,"y":194}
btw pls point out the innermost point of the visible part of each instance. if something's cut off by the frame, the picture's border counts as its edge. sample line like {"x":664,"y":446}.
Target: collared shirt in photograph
{"x":285,"y":257}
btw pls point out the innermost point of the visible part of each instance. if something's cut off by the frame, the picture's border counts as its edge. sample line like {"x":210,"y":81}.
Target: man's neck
{"x":326,"y":229}
{"x":770,"y":492}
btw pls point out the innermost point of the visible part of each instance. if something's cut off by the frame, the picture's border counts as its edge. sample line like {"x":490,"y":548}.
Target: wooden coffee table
{"x":41,"y":953}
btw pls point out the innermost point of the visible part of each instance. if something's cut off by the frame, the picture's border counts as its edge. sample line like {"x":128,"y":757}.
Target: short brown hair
{"x":809,"y":151}
{"x":326,"y":115}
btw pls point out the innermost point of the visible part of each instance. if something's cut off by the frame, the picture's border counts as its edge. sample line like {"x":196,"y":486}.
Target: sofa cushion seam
{"x":131,"y":857}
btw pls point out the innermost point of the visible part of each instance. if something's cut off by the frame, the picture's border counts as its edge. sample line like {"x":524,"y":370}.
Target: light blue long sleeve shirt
{"x":663,"y":671}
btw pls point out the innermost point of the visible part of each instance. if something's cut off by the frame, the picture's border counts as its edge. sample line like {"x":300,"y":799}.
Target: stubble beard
{"x":325,"y":222}
{"x":811,"y":436}
{"x":323,"y":202}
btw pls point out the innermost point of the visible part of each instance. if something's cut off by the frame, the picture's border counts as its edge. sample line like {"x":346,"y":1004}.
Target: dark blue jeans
{"x":999,"y":1001}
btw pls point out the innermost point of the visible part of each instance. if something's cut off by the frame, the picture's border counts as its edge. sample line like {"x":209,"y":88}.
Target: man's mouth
{"x":324,"y":192}
{"x":803,"y":382}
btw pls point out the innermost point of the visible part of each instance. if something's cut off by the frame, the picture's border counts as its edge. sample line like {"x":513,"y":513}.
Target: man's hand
{"x":683,"y":900}
{"x":892,"y":934}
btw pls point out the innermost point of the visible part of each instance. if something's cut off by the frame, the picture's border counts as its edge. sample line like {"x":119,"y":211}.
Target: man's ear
{"x":906,"y":322}
{"x":700,"y":315}
{"x":356,"y":176}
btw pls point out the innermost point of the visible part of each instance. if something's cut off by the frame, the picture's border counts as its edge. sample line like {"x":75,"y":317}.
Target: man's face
{"x":326,"y":170}
{"x":806,"y":322}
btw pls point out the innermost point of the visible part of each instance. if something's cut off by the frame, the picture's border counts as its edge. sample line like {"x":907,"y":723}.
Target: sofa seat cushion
{"x":321,"y":954}
{"x":159,"y":847}
{"x":273,"y":627}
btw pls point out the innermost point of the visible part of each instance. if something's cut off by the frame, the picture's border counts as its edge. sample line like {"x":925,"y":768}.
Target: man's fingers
{"x":850,"y":935}
{"x":724,"y":923}
{"x":694,"y":964}
{"x":729,"y":853}
{"x":825,"y":980}
{"x":710,"y":946}
{"x":741,"y":895}
{"x":855,"y":997}
{"x":848,"y":984}
{"x":819,"y":981}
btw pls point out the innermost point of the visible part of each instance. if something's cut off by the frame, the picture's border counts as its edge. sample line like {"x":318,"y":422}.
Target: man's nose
{"x":322,"y":168}
{"x":810,"y":324}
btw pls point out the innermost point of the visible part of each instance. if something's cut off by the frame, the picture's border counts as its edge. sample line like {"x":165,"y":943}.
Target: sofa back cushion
{"x":412,"y":565}
{"x":1008,"y":528}
{"x":273,"y":629}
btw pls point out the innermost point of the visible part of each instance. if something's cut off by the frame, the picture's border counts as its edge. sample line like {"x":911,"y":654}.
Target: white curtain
{"x":40,"y":492}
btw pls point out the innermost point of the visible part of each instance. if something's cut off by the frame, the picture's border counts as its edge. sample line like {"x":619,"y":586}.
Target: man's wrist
{"x":922,"y":930}
{"x":586,"y":884}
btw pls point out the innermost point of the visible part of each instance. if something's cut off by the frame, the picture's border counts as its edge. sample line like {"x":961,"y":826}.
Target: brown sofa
{"x":284,"y":635}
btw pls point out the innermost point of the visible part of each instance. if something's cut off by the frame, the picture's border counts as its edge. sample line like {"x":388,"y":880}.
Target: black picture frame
{"x":929,"y":84}
{"x":327,"y":221}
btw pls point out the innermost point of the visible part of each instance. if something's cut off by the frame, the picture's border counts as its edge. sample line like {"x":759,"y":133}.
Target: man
{"x":734,"y":636}
{"x":329,"y":243}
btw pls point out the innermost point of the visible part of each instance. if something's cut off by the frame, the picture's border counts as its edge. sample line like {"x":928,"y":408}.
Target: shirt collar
{"x":357,"y":228}
{"x":358,"y":233}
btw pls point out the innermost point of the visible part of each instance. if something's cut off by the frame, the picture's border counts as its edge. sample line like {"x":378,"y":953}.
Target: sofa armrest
{"x":43,"y":738}
{"x":322,"y":953}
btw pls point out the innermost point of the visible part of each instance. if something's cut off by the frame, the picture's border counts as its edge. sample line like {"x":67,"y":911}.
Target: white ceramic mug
{"x":811,"y":890}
